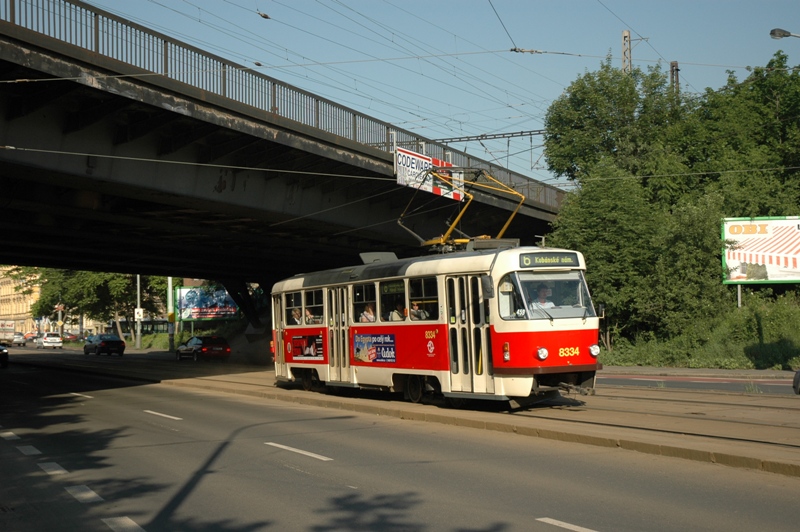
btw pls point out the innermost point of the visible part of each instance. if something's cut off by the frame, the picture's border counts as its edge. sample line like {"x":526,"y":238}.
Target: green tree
{"x":611,"y":222}
{"x":609,"y":114}
{"x":655,"y":173}
{"x":99,"y":296}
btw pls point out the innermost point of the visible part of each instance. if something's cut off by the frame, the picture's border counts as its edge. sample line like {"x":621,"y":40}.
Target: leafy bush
{"x":763,"y":334}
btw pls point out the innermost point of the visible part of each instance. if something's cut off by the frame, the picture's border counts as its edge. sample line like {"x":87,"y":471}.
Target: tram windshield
{"x":544,"y":295}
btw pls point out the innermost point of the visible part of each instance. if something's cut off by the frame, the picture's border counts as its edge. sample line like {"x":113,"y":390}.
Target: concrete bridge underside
{"x":113,"y":173}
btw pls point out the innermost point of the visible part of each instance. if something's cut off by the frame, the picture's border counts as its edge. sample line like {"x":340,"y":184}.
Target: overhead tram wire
{"x":490,"y":136}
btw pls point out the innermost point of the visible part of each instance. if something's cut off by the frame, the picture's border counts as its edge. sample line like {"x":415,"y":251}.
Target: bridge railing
{"x":73,"y":23}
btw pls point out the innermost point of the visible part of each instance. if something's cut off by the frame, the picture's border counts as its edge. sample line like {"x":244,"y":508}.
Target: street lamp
{"x":778,"y":33}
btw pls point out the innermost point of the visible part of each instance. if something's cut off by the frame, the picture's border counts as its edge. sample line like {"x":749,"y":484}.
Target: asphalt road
{"x":83,"y":452}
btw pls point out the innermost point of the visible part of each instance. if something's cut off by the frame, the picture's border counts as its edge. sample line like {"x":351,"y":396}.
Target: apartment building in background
{"x":16,"y":306}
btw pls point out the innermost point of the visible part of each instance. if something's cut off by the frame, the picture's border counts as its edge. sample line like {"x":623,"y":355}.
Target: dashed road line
{"x":8,"y":436}
{"x":52,"y":468}
{"x":164,"y":415}
{"x":84,"y":494}
{"x":81,"y":395}
{"x":299,"y":451}
{"x":122,"y":524}
{"x":562,"y":524}
{"x":29,"y":450}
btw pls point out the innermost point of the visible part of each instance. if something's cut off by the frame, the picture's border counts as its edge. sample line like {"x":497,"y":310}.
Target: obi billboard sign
{"x":412,"y":168}
{"x":761,"y":250}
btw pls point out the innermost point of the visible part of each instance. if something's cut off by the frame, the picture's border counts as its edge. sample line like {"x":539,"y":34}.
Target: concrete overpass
{"x":126,"y":150}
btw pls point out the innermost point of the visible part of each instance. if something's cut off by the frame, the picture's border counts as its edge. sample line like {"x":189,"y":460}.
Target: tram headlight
{"x":594,"y":350}
{"x":542,"y":353}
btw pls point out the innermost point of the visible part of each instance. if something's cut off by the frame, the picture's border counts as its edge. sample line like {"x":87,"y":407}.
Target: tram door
{"x":468,"y":335}
{"x":338,"y":335}
{"x":278,"y":313}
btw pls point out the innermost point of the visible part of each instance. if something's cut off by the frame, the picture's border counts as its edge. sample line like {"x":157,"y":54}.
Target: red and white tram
{"x":489,"y":323}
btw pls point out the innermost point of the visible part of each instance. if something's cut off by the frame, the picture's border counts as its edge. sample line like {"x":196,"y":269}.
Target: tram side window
{"x":424,"y":295}
{"x":509,"y":300}
{"x":364,"y":303}
{"x":314,"y":307}
{"x":393,"y":301}
{"x":294,"y":308}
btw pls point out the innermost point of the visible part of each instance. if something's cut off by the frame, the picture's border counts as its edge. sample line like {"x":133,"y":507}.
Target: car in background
{"x":3,"y":357}
{"x":31,"y":335}
{"x":204,"y":347}
{"x":796,"y":382}
{"x":69,"y":337}
{"x":49,"y":339}
{"x":104,"y":343}
{"x":19,"y":340}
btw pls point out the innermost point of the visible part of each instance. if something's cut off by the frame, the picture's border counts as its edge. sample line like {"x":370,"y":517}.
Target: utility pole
{"x":674,"y":80}
{"x":626,"y":51}
{"x":627,"y":61}
{"x":138,"y":311}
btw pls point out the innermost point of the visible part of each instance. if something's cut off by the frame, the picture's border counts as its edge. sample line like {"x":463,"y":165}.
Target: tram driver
{"x":540,"y":300}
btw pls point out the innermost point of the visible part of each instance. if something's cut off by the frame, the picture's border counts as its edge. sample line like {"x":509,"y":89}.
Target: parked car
{"x":796,"y":382}
{"x":3,"y":357}
{"x":49,"y":339}
{"x":204,"y":347}
{"x":69,"y":337}
{"x":104,"y":343}
{"x":19,"y":340}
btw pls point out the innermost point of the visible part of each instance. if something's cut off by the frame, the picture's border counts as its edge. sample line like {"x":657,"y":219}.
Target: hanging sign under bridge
{"x":412,"y":170}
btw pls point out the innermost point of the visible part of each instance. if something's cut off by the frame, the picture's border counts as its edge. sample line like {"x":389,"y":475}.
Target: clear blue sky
{"x":442,"y":68}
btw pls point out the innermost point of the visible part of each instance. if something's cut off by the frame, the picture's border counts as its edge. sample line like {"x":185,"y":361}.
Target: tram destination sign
{"x":548,"y":259}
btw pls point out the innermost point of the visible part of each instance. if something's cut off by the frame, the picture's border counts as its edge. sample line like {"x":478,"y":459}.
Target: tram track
{"x":654,"y":430}
{"x":735,"y":418}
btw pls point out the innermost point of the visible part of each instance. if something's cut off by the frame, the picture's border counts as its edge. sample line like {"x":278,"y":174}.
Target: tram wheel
{"x":455,"y":402}
{"x":415,"y":388}
{"x":310,"y":380}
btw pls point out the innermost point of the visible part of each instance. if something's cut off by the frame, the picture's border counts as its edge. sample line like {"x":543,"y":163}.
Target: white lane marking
{"x":122,"y":524}
{"x":8,"y":436}
{"x":562,"y":524}
{"x":164,"y":415}
{"x":84,"y":494}
{"x":81,"y":395}
{"x":29,"y":450}
{"x":52,"y":468}
{"x":299,"y":451}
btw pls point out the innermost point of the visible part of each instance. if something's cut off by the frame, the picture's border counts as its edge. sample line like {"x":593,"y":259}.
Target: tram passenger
{"x":310,"y":318}
{"x":368,"y":316}
{"x":541,"y":301}
{"x":399,"y":312}
{"x":296,"y":317}
{"x":417,"y":313}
